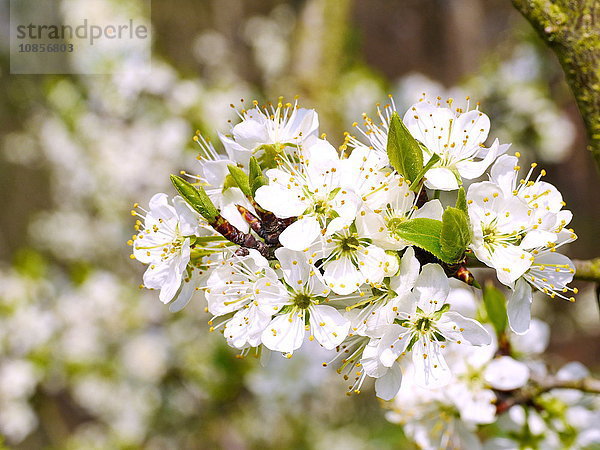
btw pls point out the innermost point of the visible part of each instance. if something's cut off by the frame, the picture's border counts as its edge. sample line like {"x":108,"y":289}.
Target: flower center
{"x":493,"y":237}
{"x":321,"y":207}
{"x":423,"y":324}
{"x":302,"y":300}
{"x":349,"y":244}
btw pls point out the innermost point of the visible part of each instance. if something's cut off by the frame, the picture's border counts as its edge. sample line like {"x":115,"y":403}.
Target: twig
{"x":587,"y":270}
{"x":529,"y":393}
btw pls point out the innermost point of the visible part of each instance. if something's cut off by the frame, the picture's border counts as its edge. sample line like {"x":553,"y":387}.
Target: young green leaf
{"x":241,"y":179}
{"x":461,"y":200}
{"x":197,"y":198}
{"x":256,"y":179}
{"x":424,"y":233}
{"x":455,"y":235}
{"x":403,"y":150}
{"x":416,"y":184}
{"x":495,"y":306}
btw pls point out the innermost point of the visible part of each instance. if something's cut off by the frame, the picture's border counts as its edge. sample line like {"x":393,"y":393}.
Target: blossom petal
{"x":285,"y":333}
{"x":441,"y":178}
{"x":328,"y":326}
{"x":432,"y":286}
{"x":342,"y":277}
{"x":387,"y":386}
{"x":470,"y":169}
{"x":505,"y":373}
{"x":185,"y":293}
{"x":433,"y":209}
{"x":504,"y":173}
{"x":431,"y":369}
{"x":455,"y":327}
{"x":408,"y":273}
{"x":470,"y":130}
{"x":294,"y":266}
{"x":510,"y":262}
{"x":393,"y":343}
{"x":301,"y":234}
{"x":519,"y":307}
{"x":251,"y":132}
{"x":284,"y":203}
{"x":246,"y":327}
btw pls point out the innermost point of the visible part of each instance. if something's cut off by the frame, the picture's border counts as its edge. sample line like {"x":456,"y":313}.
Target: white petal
{"x":319,"y":151}
{"x":251,"y":132}
{"x":370,"y":360}
{"x":470,"y":129}
{"x":573,"y":371}
{"x":246,"y":326}
{"x":387,"y":386}
{"x":510,"y":262}
{"x":433,"y":209}
{"x":294,"y":266}
{"x":342,"y":277}
{"x":408,"y":273}
{"x":432,"y":286}
{"x":381,"y":317}
{"x":160,"y":208}
{"x":285,"y":333}
{"x":426,"y":122}
{"x":301,"y":234}
{"x":431,"y":369}
{"x":504,"y":174}
{"x":186,"y":291}
{"x":188,"y":218}
{"x":393,"y":343}
{"x":215,"y":172}
{"x":371,"y":262}
{"x":537,"y":238}
{"x":235,"y":151}
{"x":506,"y":374}
{"x":519,"y":307}
{"x":282,"y":202}
{"x":328,"y":326}
{"x":441,"y":178}
{"x":270,"y":294}
{"x":474,"y":169}
{"x":455,"y":327}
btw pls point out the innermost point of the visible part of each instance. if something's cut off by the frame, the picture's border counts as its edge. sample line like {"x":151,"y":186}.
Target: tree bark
{"x":571,"y":28}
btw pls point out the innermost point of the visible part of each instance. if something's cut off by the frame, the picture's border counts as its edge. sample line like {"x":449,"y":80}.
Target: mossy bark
{"x":571,"y":28}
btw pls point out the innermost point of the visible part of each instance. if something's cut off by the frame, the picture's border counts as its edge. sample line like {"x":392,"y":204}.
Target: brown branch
{"x":528,"y":394}
{"x":571,"y":28}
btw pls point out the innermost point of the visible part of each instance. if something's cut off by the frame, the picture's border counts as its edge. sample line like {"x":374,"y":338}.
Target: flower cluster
{"x":289,"y":239}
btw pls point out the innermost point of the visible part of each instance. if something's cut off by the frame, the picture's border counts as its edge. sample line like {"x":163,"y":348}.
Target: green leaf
{"x":456,"y":234}
{"x":256,"y":179}
{"x":241,"y":179}
{"x":495,"y":306}
{"x":196,"y":197}
{"x":461,"y":200}
{"x":416,"y":184}
{"x":403,"y":150}
{"x":424,"y":233}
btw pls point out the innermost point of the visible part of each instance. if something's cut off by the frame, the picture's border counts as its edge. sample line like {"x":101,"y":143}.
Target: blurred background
{"x":87,"y":359}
